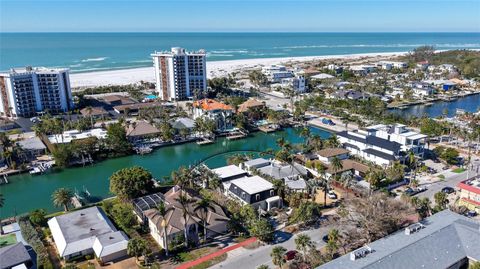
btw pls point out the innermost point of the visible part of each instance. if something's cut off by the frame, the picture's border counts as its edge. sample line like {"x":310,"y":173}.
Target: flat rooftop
{"x":229,"y":171}
{"x":252,"y":185}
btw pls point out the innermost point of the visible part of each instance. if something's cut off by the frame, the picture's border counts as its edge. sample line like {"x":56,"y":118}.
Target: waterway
{"x":26,"y":192}
{"x":469,"y":103}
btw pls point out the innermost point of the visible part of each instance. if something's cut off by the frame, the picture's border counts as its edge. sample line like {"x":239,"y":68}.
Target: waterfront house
{"x":277,"y":170}
{"x":250,"y":104}
{"x":255,"y":164}
{"x":140,"y":130}
{"x":68,"y":136}
{"x":296,"y":83}
{"x":32,"y":148}
{"x":174,"y":223}
{"x":254,"y":191}
{"x":470,"y":194}
{"x":214,"y":110}
{"x":229,"y":172}
{"x":407,"y":138}
{"x":365,"y":144}
{"x":85,"y":232}
{"x":116,"y":100}
{"x":325,"y":156}
{"x":15,"y":256}
{"x":444,"y":240}
{"x":133,"y":109}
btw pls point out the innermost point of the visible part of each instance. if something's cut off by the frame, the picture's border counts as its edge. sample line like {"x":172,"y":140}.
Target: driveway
{"x":252,"y":258}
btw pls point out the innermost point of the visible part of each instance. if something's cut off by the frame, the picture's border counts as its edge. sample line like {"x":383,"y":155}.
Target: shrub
{"x":33,"y":237}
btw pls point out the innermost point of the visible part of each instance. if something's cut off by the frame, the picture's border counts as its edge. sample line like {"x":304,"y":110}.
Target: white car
{"x":332,"y":195}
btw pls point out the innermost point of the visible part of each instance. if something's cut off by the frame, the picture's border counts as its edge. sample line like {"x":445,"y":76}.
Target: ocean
{"x":82,"y":52}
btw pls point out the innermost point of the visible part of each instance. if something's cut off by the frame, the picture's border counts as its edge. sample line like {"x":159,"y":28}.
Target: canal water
{"x":26,"y":192}
{"x":469,"y":103}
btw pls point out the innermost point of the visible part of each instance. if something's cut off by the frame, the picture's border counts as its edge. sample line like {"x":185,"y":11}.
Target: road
{"x":450,"y":181}
{"x":246,"y":258}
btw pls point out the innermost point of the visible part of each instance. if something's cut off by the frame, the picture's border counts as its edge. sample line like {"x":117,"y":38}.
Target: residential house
{"x":214,"y":110}
{"x":470,"y":194}
{"x":254,"y":191}
{"x":68,"y":136}
{"x":407,"y":138}
{"x":275,"y":73}
{"x":322,"y":76}
{"x":183,"y":124}
{"x":365,"y":144}
{"x":32,"y":148}
{"x":255,"y":164}
{"x":326,"y":155}
{"x":297,"y":84}
{"x":15,"y":256}
{"x":445,"y":240}
{"x":85,"y":232}
{"x":134,"y":108}
{"x":174,"y":223}
{"x":291,"y":174}
{"x":116,"y":100}
{"x":141,"y":130}
{"x":94,"y":112}
{"x":229,"y":172}
{"x":250,"y":104}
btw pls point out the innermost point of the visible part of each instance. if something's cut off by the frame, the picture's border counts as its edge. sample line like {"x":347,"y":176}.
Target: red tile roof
{"x":210,"y":104}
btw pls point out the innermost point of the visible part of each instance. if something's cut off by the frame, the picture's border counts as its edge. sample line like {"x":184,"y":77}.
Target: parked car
{"x":448,"y":190}
{"x":410,"y":192}
{"x":290,"y":255}
{"x":325,"y":238}
{"x":471,"y":213}
{"x":332,"y":195}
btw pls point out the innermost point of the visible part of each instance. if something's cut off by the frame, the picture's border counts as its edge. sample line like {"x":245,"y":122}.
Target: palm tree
{"x":277,"y":255}
{"x":185,"y":203}
{"x":413,"y":163}
{"x":62,"y":197}
{"x":163,"y":211}
{"x":279,"y":187}
{"x":337,"y":165}
{"x":303,"y":242}
{"x":201,"y":209}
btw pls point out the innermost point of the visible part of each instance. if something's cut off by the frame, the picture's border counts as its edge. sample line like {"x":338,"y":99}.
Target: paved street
{"x":451,"y":181}
{"x":251,"y":259}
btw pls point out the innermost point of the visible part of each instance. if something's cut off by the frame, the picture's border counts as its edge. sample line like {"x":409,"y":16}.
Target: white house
{"x":365,"y":144}
{"x":254,"y":191}
{"x":296,"y":83}
{"x":399,"y":133}
{"x":87,"y":231}
{"x":275,"y":73}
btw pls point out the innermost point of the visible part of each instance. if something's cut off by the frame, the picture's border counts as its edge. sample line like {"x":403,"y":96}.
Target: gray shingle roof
{"x":380,"y":154}
{"x":13,"y":255}
{"x":446,"y":239}
{"x":280,"y":172}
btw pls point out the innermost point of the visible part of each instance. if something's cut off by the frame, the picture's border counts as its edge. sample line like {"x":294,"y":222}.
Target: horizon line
{"x":244,"y":32}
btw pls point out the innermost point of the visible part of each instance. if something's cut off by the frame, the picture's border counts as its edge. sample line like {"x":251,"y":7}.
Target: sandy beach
{"x":214,"y":69}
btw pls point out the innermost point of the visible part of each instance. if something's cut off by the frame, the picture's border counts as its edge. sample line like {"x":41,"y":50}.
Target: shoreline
{"x":214,"y":69}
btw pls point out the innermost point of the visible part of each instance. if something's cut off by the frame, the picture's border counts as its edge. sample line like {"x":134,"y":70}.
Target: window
{"x":243,"y":194}
{"x":257,"y":197}
{"x":272,"y":193}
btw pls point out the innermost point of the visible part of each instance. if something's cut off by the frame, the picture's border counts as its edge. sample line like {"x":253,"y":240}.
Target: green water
{"x":26,"y":192}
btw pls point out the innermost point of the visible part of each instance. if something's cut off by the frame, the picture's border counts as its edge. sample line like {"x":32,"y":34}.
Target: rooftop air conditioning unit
{"x":360,"y":253}
{"x":414,"y":228}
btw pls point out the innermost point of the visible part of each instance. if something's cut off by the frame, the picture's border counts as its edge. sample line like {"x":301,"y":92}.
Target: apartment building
{"x":470,"y":194}
{"x":26,"y":91}
{"x":178,"y":73}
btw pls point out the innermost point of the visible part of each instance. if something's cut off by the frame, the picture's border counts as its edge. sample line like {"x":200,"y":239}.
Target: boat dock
{"x":236,"y":135}
{"x":204,"y":141}
{"x":267,"y":128}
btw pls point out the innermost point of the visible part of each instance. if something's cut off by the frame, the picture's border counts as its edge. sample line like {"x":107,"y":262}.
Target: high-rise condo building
{"x":26,"y":91}
{"x":179,"y":74}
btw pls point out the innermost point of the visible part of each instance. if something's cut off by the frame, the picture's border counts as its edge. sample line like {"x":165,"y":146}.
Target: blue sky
{"x":240,"y":15}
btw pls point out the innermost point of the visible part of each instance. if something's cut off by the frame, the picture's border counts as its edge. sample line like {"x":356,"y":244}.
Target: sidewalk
{"x":216,"y":254}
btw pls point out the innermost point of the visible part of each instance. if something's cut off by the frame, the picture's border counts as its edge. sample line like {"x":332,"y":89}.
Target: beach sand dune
{"x":214,"y":69}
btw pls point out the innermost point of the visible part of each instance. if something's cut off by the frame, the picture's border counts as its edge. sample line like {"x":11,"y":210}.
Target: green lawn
{"x":9,"y":239}
{"x":458,"y":170}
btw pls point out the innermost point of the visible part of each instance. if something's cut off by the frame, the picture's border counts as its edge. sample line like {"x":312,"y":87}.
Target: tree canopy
{"x":129,"y":183}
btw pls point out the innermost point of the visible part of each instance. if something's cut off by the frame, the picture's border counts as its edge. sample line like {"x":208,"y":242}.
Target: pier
{"x":204,"y":141}
{"x":236,"y":135}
